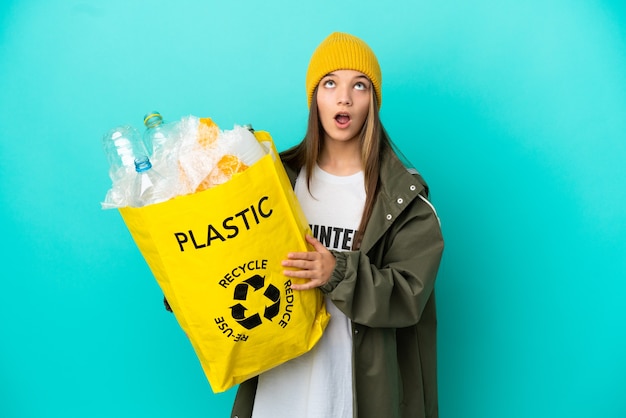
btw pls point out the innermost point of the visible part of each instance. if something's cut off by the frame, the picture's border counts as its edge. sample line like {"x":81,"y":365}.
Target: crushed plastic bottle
{"x":122,"y":145}
{"x":149,"y":185}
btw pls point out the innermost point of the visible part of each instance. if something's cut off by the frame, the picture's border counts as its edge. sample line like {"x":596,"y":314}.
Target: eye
{"x":361,"y":85}
{"x":329,"y":84}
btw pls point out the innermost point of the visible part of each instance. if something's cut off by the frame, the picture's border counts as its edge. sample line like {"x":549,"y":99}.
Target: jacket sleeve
{"x":391,"y":284}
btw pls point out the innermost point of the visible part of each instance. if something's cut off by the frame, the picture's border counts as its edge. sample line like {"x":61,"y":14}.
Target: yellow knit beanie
{"x":342,"y":51}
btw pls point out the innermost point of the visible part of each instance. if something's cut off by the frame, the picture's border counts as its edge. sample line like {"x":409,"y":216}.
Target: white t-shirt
{"x":318,"y":384}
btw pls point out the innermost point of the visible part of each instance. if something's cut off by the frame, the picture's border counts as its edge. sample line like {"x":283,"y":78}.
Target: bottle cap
{"x":142,"y":164}
{"x":152,"y":119}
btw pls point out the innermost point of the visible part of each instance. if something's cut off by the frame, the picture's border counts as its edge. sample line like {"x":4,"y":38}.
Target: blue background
{"x":514,"y":112}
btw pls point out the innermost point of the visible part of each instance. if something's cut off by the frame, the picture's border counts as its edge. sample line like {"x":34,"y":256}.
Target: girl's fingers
{"x":312,"y":265}
{"x":301,"y":256}
{"x":301,"y":274}
{"x":307,"y":286}
{"x":300,"y":264}
{"x":319,"y":247}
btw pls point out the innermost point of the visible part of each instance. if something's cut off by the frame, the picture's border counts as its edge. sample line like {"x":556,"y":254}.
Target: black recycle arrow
{"x":239,"y":313}
{"x":273,"y":294}
{"x":257,"y":282}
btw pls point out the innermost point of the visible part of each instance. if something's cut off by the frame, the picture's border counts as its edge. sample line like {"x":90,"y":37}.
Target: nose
{"x":344,"y":96}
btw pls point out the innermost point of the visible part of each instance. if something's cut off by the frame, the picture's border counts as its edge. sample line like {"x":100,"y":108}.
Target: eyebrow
{"x":358,"y":76}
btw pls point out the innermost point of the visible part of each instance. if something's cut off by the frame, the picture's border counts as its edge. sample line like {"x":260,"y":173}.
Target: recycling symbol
{"x":272,"y":294}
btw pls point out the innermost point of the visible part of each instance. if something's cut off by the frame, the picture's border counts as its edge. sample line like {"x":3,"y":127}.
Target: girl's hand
{"x":316,"y":266}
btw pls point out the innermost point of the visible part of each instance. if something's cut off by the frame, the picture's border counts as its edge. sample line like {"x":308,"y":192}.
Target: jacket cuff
{"x":341,"y":261}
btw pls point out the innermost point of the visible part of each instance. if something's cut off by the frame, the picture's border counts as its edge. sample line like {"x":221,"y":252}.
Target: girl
{"x":377,"y":249}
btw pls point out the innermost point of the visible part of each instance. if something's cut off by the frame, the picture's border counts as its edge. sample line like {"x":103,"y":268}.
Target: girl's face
{"x":343,"y":98}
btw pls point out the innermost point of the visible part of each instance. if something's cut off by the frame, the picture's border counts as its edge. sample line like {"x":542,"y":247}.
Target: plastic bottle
{"x":162,"y":141}
{"x":122,"y":145}
{"x":241,"y":142}
{"x":157,"y":135}
{"x":149,"y":186}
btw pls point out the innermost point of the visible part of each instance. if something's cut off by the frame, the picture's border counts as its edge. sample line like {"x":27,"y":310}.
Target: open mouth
{"x":342,"y":118}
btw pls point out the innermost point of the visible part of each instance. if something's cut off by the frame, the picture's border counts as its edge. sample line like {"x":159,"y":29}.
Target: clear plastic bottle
{"x":149,"y":186}
{"x":122,"y":145}
{"x":156,"y":137}
{"x":162,"y":141}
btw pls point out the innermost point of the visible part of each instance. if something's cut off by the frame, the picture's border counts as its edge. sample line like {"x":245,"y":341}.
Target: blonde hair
{"x":374,"y":143}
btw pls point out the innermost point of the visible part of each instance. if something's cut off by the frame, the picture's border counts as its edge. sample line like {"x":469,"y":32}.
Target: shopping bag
{"x":217,"y":255}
